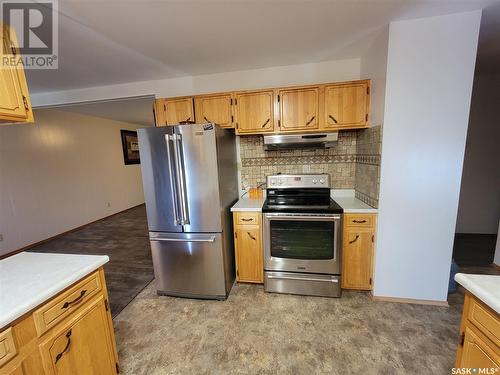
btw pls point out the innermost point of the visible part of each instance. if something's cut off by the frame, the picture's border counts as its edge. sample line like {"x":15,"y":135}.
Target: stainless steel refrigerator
{"x":190,"y":181}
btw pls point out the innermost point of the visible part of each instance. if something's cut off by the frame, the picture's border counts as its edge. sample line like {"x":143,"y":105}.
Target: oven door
{"x":302,"y":242}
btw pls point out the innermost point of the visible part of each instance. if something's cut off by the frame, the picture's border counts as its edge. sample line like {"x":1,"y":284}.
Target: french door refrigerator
{"x":190,"y":182}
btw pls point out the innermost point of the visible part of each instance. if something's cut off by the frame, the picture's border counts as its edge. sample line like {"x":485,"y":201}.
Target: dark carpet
{"x":124,"y":238}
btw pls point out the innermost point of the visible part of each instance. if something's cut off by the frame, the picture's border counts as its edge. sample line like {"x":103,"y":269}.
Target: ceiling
{"x":132,"y":110}
{"x":118,"y":41}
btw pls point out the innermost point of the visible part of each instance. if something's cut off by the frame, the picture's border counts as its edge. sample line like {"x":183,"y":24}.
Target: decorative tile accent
{"x":366,"y":199}
{"x":368,"y":159}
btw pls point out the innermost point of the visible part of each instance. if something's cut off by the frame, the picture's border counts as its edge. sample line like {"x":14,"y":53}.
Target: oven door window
{"x":296,"y":239}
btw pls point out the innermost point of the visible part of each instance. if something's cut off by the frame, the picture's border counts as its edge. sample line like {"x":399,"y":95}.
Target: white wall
{"x":374,"y":66}
{"x":430,"y":70}
{"x":59,"y":173}
{"x":328,"y":71}
{"x":479,"y":205}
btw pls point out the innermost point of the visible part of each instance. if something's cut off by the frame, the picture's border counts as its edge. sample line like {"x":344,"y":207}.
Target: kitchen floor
{"x":124,"y":238}
{"x":254,"y":332}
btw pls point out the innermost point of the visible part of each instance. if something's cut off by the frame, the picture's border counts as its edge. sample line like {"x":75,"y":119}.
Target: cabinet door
{"x":14,"y":98}
{"x":178,"y":110}
{"x":83,"y":346}
{"x":299,"y":109}
{"x":159,"y":112}
{"x":249,"y":261}
{"x":476,"y":353}
{"x":254,"y":112}
{"x":346,"y":105}
{"x":217,"y":109}
{"x":357,"y":259}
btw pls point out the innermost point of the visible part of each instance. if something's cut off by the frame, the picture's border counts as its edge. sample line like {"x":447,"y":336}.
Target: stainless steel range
{"x":302,"y":236}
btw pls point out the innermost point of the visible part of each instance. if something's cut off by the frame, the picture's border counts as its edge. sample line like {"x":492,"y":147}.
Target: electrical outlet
{"x":1,"y":237}
{"x":108,"y":204}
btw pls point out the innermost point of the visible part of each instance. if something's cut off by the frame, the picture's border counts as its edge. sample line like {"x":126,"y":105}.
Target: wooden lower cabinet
{"x":82,"y":346}
{"x":80,"y":342}
{"x":248,"y":247}
{"x":479,"y":343}
{"x":358,"y":251}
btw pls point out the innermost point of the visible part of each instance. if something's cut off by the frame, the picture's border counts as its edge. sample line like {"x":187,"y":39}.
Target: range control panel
{"x":284,"y":181}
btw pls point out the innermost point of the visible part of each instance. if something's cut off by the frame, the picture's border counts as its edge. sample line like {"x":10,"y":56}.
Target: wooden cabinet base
{"x":479,"y":340}
{"x":79,"y":342}
{"x":248,"y":247}
{"x":358,"y":251}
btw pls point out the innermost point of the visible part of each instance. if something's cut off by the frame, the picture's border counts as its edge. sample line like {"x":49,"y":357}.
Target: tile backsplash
{"x":353,"y":162}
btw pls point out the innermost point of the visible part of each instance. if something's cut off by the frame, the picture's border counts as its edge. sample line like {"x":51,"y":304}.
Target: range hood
{"x":284,"y":141}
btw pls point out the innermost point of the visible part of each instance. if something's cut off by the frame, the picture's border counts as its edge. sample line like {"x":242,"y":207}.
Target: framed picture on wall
{"x":130,"y":145}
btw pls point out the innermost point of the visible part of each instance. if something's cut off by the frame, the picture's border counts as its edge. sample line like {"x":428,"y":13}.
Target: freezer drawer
{"x":189,"y":264}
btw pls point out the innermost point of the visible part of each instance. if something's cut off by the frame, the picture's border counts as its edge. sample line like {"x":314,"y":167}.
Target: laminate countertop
{"x":29,"y":279}
{"x":248,"y":204}
{"x":485,"y":287}
{"x":344,"y":197}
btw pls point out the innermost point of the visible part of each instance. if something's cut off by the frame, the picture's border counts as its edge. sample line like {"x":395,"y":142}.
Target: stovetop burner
{"x":300,"y":193}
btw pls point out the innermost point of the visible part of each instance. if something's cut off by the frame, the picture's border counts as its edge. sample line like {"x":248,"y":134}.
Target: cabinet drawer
{"x":7,"y":346}
{"x":245,"y":218}
{"x":485,"y":320}
{"x":66,"y":303}
{"x":359,"y":220}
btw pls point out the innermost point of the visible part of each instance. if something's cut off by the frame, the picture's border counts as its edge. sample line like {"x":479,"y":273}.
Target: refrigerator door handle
{"x":182,"y":179}
{"x":161,"y":239}
{"x":178,"y":178}
{"x":175,"y":202}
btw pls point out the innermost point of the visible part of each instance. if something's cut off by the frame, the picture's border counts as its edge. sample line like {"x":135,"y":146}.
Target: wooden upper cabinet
{"x":174,"y":111}
{"x":254,"y":112}
{"x":217,"y":109}
{"x":299,"y":109}
{"x":15,"y":105}
{"x":159,"y":112}
{"x":347,"y":105}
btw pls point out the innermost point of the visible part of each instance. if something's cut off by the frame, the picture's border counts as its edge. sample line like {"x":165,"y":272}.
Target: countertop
{"x":29,"y":279}
{"x":344,"y":197}
{"x":249,"y":204}
{"x":485,"y":287}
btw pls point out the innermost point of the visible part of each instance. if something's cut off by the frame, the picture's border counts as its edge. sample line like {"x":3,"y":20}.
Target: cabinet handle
{"x":252,"y":237}
{"x":266,"y":122}
{"x":333,"y":118}
{"x":354,"y":240}
{"x":311,"y":120}
{"x":207,"y":120}
{"x":25,"y":102}
{"x":186,"y":121}
{"x":59,"y":356}
{"x":243,"y":219}
{"x":359,"y":221}
{"x":75,"y":301}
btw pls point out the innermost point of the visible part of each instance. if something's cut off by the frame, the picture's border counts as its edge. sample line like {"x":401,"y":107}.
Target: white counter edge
{"x":31,"y":304}
{"x":482,"y":293}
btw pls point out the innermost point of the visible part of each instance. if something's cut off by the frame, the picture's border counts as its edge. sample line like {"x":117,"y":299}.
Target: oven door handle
{"x":302,"y":278}
{"x":302,"y":217}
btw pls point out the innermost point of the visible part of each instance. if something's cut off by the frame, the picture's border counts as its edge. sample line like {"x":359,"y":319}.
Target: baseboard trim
{"x":410,"y":300}
{"x":27,"y":247}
